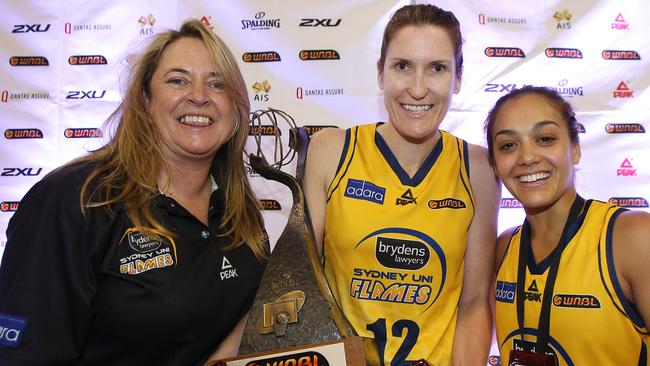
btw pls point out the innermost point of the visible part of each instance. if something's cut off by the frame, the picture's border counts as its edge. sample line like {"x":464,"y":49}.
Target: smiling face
{"x":187,"y":103}
{"x":418,"y":79}
{"x":533,"y":153}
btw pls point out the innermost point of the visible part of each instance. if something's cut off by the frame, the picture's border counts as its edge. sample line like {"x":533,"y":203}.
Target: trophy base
{"x":348,"y":351}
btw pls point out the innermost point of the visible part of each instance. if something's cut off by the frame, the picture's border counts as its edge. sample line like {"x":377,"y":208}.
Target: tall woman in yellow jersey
{"x":405,"y":213}
{"x":572,"y":282}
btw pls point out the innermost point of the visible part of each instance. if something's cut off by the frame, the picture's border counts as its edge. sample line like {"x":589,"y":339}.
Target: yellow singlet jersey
{"x":395,"y":245}
{"x":592,"y":323}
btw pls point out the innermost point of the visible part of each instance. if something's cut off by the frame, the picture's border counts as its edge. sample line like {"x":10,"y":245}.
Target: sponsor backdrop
{"x":62,"y":74}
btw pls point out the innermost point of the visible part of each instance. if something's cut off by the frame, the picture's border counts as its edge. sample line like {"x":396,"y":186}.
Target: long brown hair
{"x":126,"y":169}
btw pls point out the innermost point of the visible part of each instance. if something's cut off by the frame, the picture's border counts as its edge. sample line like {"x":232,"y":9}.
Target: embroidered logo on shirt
{"x":576,"y":301}
{"x":446,"y":203}
{"x":406,"y":198}
{"x":148,"y":253}
{"x":363,"y":190}
{"x":532,"y":293}
{"x":227,"y":270}
{"x":11,"y":330}
{"x":506,"y":291}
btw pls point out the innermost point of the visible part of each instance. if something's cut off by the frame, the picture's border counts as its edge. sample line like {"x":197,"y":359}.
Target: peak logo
{"x":9,"y":206}
{"x":25,"y":172}
{"x":90,"y":94}
{"x":312,"y":129}
{"x":576,"y":301}
{"x":259,"y":23}
{"x":312,"y":55}
{"x":266,"y":56}
{"x":270,"y":205}
{"x":87,"y":60}
{"x":28,"y":61}
{"x":26,"y":28}
{"x":77,"y":133}
{"x":557,"y":52}
{"x":312,"y":22}
{"x":626,"y":169}
{"x":563,"y":19}
{"x":630,"y":202}
{"x":532,"y":293}
{"x":504,"y":52}
{"x":619,"y":23}
{"x":510,"y":203}
{"x":620,"y":55}
{"x":623,"y":91}
{"x":452,"y":203}
{"x":363,"y":190}
{"x":23,"y":133}
{"x":310,"y":358}
{"x":264,"y":130}
{"x":624,"y":128}
{"x":406,"y":199}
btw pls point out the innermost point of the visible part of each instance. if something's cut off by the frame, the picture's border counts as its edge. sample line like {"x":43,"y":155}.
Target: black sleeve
{"x":46,"y":278}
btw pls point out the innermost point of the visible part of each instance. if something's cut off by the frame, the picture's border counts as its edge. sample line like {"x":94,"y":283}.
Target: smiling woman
{"x":152,"y":246}
{"x":405,"y":213}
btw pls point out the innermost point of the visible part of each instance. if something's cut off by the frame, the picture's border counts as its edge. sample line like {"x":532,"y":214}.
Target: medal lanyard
{"x":543,"y":326}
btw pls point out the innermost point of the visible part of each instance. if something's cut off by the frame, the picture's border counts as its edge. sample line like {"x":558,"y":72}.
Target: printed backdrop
{"x":62,"y":65}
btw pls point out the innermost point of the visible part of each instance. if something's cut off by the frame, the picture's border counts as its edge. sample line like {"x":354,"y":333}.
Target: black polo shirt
{"x":91,"y":290}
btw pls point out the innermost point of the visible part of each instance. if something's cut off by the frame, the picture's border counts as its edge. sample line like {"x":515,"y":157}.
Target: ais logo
{"x":311,"y":55}
{"x":266,"y":56}
{"x":563,"y":19}
{"x":504,"y":52}
{"x":363,"y":190}
{"x":261,"y":91}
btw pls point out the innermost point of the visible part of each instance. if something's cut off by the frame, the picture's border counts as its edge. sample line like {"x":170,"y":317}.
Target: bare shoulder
{"x":482,"y":178}
{"x":324,"y":151}
{"x":502,"y":245}
{"x":632,"y":235}
{"x":478,"y":160}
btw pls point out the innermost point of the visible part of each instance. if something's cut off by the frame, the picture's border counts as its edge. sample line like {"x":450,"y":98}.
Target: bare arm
{"x":474,"y":325}
{"x":322,"y":159}
{"x":631,"y":249}
{"x":230,"y":345}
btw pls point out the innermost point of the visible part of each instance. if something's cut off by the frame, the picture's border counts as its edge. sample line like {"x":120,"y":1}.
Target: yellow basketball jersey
{"x":592,"y":323}
{"x":395,"y":245}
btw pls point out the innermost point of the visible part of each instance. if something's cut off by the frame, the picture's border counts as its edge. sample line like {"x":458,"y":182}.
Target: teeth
{"x":533,"y":177}
{"x":416,"y":108}
{"x":195,"y":120}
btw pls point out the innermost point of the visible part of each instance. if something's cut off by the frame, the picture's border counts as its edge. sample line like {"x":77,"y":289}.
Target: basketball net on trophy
{"x":294,"y":315}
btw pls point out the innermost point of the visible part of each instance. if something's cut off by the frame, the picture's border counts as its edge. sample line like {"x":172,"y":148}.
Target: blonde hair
{"x":128,"y":166}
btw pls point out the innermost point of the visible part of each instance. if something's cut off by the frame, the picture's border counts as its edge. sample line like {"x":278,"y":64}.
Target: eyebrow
{"x":538,"y":126}
{"x":184,"y":71}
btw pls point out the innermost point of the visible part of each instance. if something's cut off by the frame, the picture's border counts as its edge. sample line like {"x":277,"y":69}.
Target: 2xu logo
{"x":308,"y":22}
{"x":309,"y":358}
{"x":90,"y":94}
{"x":26,"y":28}
{"x":15,"y":172}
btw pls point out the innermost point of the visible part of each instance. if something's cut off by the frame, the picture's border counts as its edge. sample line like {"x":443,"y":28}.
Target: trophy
{"x":294,"y":319}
